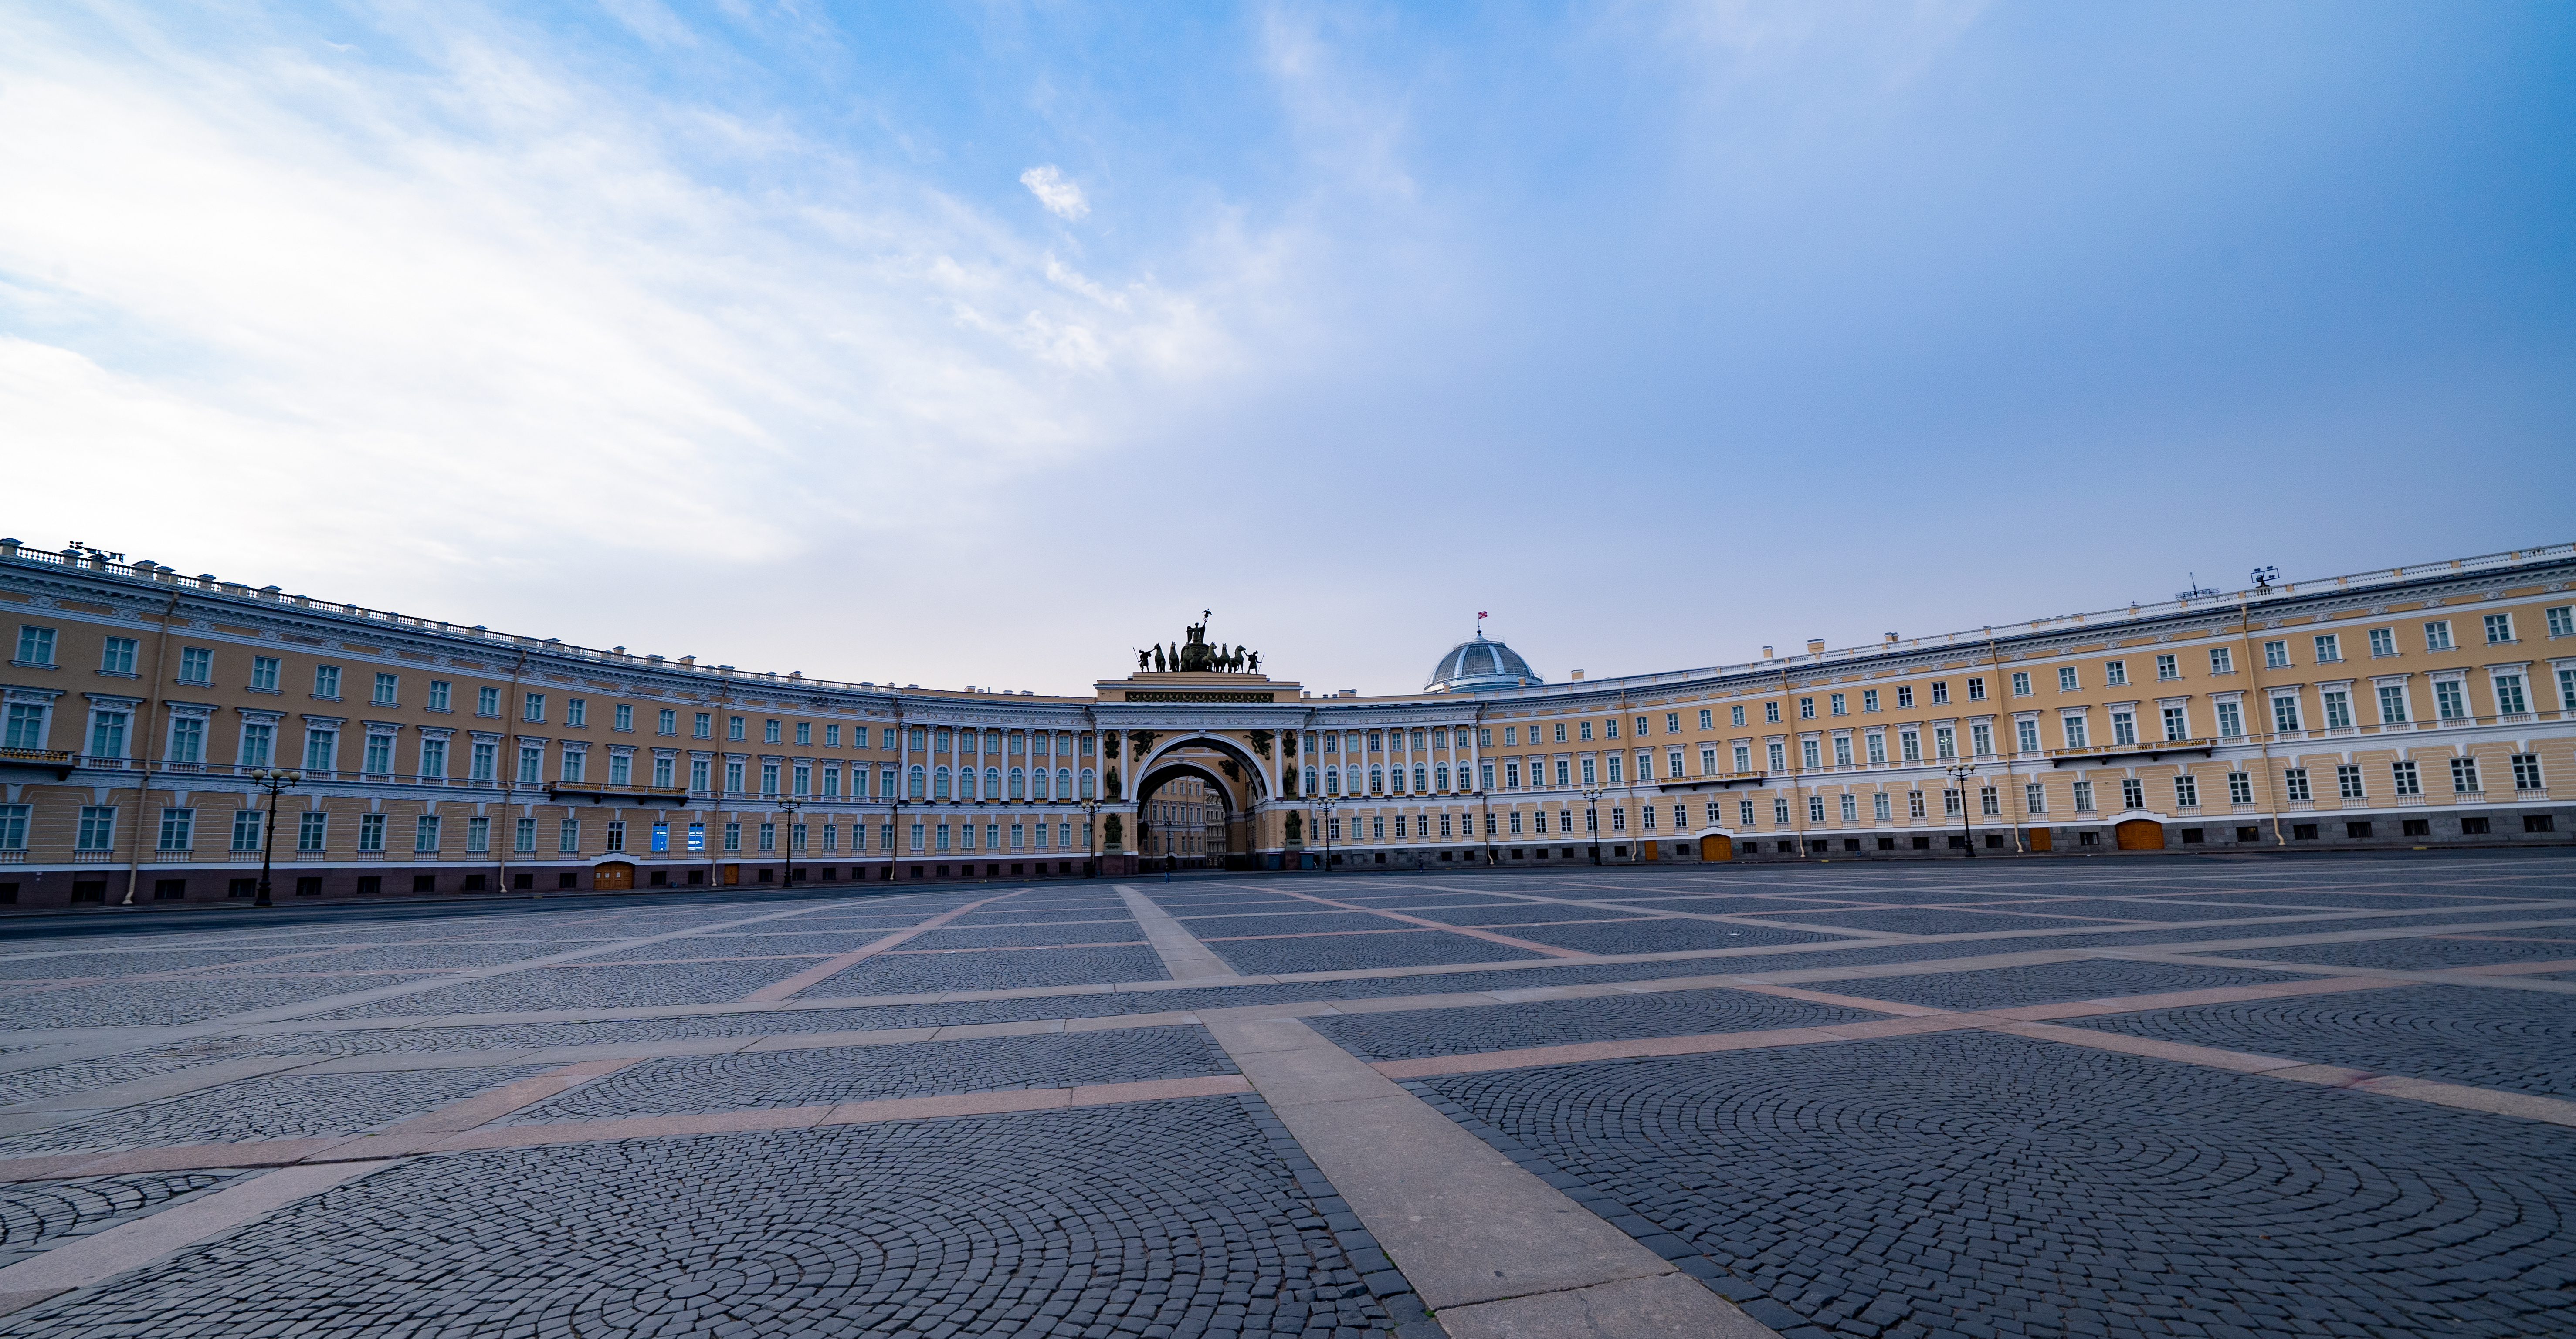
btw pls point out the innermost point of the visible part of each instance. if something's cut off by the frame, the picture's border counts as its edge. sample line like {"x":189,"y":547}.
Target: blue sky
{"x":980,"y":344}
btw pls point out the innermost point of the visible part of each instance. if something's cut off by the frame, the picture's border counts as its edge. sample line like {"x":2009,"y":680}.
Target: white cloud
{"x":1061,"y":197}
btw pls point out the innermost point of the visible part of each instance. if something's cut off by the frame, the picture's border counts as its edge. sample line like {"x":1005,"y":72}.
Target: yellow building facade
{"x":2430,"y":705}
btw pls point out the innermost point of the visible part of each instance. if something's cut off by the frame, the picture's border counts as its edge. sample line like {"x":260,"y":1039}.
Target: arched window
{"x":1019,"y":784}
{"x":939,"y":784}
{"x":1064,"y":784}
{"x":1419,"y":775}
{"x":1333,"y":782}
{"x":1398,"y":778}
{"x":992,"y":783}
{"x":1377,"y":780}
{"x":1086,"y":783}
{"x":1310,"y":780}
{"x":916,"y":781}
{"x":1038,"y":780}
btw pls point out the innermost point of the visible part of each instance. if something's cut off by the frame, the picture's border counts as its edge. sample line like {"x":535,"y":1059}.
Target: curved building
{"x":2427,"y":705}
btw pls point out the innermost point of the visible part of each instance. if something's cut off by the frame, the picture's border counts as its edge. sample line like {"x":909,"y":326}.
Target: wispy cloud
{"x":1062,"y":198}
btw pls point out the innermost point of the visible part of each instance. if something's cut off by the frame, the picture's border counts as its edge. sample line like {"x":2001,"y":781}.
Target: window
{"x":433,"y":758}
{"x":2338,"y":708}
{"x":1837,"y":707}
{"x":478,"y":835}
{"x":2499,"y":628}
{"x":1704,"y":724}
{"x":769,"y":778}
{"x":2083,"y":797}
{"x":1842,"y":750}
{"x":187,"y":740}
{"x":263,"y":674}
{"x":1779,"y":757}
{"x":2450,"y":700}
{"x":1868,"y":700}
{"x":439,"y":691}
{"x":26,"y":726}
{"x":1734,"y":716}
{"x":2076,"y":733}
{"x":2562,"y":621}
{"x":622,"y":717}
{"x":1905,"y":695}
{"x":734,"y":727}
{"x":116,"y":656}
{"x":663,"y":768}
{"x":1989,"y":803}
{"x":386,"y":686}
{"x":2437,"y":635}
{"x":1780,"y":812}
{"x":36,"y":645}
{"x":2222,"y":660}
{"x":1945,"y":743}
{"x":2187,"y":791}
{"x":2124,"y":727}
{"x":178,"y":829}
{"x":704,"y":725}
{"x":321,"y":750}
{"x":568,"y":837}
{"x":2348,"y":782}
{"x":532,"y":764}
{"x":487,"y":702}
{"x":371,"y":832}
{"x":424,"y":833}
{"x":523,"y":836}
{"x":1909,"y":745}
{"x":107,"y":733}
{"x":486,"y":760}
{"x":312,"y":829}
{"x":2404,"y":779}
{"x":196,"y":665}
{"x":2392,"y":704}
{"x":247,"y":829}
{"x":1940,"y":693}
{"x":2329,"y":648}
{"x":2464,"y":776}
{"x":379,"y":757}
{"x":2383,"y":641}
{"x":1584,"y":728}
{"x":1815,"y":809}
{"x":532,"y":707}
{"x":769,"y":732}
{"x":621,"y":769}
{"x":2526,"y":771}
{"x":2066,"y":680}
{"x":1770,"y":712}
{"x":2021,"y":683}
{"x":2231,"y":721}
{"x":2276,"y":655}
{"x":1878,"y":808}
{"x":1877,"y":746}
{"x":2285,"y":714}
{"x":1952,"y":802}
{"x":2294,"y":783}
{"x":2508,"y":695}
{"x":2115,"y":671}
{"x":1744,"y":757}
{"x":1808,"y":756}
{"x":97,"y":828}
{"x":1981,"y":740}
{"x":666,"y":722}
{"x":769,"y":836}
{"x":1914,"y":804}
{"x":2240,"y":788}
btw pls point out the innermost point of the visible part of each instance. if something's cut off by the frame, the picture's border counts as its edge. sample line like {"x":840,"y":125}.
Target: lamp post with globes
{"x":788,"y":805}
{"x":273,"y":780}
{"x":1091,"y":835}
{"x":1959,"y":775}
{"x":1326,"y":802}
{"x":1592,"y":821}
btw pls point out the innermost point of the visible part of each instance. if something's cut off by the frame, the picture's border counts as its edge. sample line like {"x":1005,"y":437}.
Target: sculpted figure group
{"x":1196,"y":654}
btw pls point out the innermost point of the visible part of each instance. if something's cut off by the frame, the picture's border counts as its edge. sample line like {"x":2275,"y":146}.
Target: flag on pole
{"x":1480,"y":613}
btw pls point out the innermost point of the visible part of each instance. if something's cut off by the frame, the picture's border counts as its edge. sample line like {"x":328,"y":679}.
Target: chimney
{"x":1815,"y":646}
{"x":1766,"y":653}
{"x":1891,"y":639}
{"x":1575,"y":675}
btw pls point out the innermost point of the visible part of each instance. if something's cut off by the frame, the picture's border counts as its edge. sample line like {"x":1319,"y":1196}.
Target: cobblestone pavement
{"x":2518,"y":1041}
{"x":269,"y":1108}
{"x":1963,"y":1181}
{"x":1974,"y":1184}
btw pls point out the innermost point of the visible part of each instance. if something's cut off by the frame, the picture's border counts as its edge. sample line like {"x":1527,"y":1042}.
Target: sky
{"x":984,"y":343}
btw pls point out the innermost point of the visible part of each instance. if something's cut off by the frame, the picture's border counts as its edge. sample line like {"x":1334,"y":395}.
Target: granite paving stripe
{"x":808,"y":1076}
{"x":2447,"y":1034}
{"x":574,"y":986}
{"x":1465,"y":1226}
{"x":1446,"y":1029}
{"x":266,"y":1108}
{"x":831,"y":967}
{"x":1184,"y":957}
{"x":1506,"y":941}
{"x":2081,"y":979}
{"x":38,"y":1215}
{"x":1021,"y":968}
{"x":1326,"y":953}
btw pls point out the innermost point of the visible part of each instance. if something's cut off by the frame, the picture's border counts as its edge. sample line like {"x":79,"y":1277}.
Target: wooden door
{"x":2140,"y":834}
{"x":2039,"y":840}
{"x":1716,"y":848}
{"x":614,"y":874}
{"x":1654,"y":850}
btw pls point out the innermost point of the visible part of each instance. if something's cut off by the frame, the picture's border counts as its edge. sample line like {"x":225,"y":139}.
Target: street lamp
{"x":272,"y":780}
{"x":1326,"y":803}
{"x":789,"y":805}
{"x":1959,"y":774}
{"x":1091,"y":833}
{"x":1592,"y":820}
